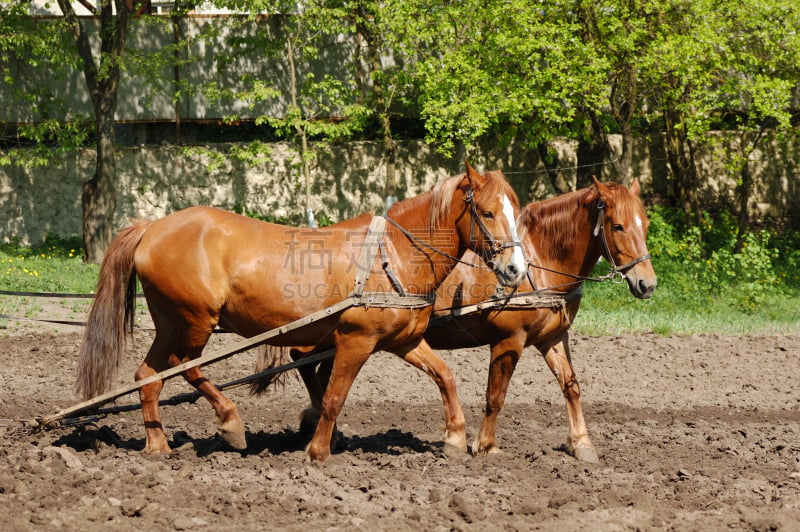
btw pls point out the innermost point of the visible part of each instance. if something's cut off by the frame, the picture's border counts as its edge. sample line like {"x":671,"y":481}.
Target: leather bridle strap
{"x":495,"y":245}
{"x":599,"y":228}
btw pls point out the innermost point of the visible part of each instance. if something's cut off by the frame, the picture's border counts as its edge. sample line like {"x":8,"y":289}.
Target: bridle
{"x":495,"y":246}
{"x":617,"y":273}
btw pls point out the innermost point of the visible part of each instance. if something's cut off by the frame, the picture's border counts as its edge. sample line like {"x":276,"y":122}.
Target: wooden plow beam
{"x":366,"y":300}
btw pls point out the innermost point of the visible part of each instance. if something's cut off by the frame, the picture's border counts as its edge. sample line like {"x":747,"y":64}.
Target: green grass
{"x":55,"y":267}
{"x":609,"y":309}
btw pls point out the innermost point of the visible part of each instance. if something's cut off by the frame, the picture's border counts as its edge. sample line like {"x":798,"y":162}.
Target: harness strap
{"x":387,"y":268}
{"x":523,"y":301}
{"x":371,"y":244}
{"x":424,"y":244}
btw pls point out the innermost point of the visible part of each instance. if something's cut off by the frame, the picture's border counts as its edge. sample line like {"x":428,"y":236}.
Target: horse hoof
{"x":483,"y":450}
{"x":234,"y":435}
{"x":315,"y":456}
{"x":454,"y":451}
{"x":456,"y":442}
{"x":586,"y":454}
{"x":158,"y":451}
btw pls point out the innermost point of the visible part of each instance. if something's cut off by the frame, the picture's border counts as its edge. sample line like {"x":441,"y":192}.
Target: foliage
{"x":469,"y":70}
{"x":479,"y":66}
{"x":47,"y":126}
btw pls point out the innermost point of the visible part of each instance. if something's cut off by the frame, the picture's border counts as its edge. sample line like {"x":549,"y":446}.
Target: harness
{"x":495,"y":246}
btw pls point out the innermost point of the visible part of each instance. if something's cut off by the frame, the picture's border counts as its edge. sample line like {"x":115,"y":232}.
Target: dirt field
{"x":694,"y":433}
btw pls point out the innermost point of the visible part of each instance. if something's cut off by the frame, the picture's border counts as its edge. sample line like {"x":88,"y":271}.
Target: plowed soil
{"x":694,"y":433}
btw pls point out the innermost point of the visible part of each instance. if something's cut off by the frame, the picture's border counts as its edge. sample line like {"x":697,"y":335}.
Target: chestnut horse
{"x":563,"y":238}
{"x":203,"y":267}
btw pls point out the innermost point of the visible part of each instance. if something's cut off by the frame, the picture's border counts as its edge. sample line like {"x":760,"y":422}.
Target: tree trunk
{"x":744,"y":191}
{"x":680,"y":156}
{"x":593,"y":152}
{"x":623,"y":105}
{"x":102,"y":75}
{"x":551,"y":166}
{"x":366,"y":29}
{"x":99,"y":199}
{"x":745,"y":188}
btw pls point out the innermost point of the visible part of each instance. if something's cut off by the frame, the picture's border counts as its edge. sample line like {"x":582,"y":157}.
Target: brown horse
{"x":563,"y":238}
{"x":203,"y":267}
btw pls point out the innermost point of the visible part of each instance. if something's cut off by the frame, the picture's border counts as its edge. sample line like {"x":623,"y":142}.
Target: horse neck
{"x":560,"y":238}
{"x":416,"y":216}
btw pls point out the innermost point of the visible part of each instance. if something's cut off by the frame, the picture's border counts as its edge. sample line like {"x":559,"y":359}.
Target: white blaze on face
{"x":517,"y":258}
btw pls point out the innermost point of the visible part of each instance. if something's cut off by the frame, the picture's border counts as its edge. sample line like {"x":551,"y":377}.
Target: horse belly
{"x":447,"y":332}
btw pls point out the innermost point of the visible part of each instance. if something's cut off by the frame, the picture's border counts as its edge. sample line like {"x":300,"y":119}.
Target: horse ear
{"x":635,"y":188}
{"x":474,"y":177}
{"x":601,"y":188}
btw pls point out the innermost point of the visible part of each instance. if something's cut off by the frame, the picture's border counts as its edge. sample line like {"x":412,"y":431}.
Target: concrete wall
{"x":348,"y":179}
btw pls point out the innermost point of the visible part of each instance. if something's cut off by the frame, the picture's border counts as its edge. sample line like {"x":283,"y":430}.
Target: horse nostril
{"x":512,"y":269}
{"x":644,"y":288}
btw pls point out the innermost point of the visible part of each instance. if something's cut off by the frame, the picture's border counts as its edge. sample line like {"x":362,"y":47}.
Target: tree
{"x":320,"y":107}
{"x":512,"y":69}
{"x":756,"y":89}
{"x":101,"y":70}
{"x":35,"y":55}
{"x":721,"y":64}
{"x":682,"y":63}
{"x":384,"y":79}
{"x":620,"y":31}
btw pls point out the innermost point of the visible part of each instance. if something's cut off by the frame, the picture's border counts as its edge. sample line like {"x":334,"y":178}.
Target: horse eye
{"x":617,"y":228}
{"x":488,"y":215}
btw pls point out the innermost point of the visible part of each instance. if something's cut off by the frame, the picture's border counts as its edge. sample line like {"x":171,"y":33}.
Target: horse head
{"x":489,"y":224}
{"x":622,"y":229}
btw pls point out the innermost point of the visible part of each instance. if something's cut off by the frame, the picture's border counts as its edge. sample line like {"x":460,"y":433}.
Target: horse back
{"x":251,"y":274}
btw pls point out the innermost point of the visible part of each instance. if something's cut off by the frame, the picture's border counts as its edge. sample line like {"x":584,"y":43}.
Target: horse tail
{"x":270,"y":356}
{"x":111,"y":315}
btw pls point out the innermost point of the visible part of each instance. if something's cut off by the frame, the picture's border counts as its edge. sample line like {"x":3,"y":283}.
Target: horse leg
{"x":231,"y":427}
{"x":155,"y":361}
{"x":351,"y":353}
{"x":315,"y":377}
{"x":504,"y":357}
{"x":560,"y":362}
{"x":423,"y":357}
{"x":163,"y":355}
{"x":315,"y":386}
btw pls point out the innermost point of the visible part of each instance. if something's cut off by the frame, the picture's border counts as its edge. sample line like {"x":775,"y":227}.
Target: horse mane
{"x":441,"y":196}
{"x":553,"y":222}
{"x":443,"y":191}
